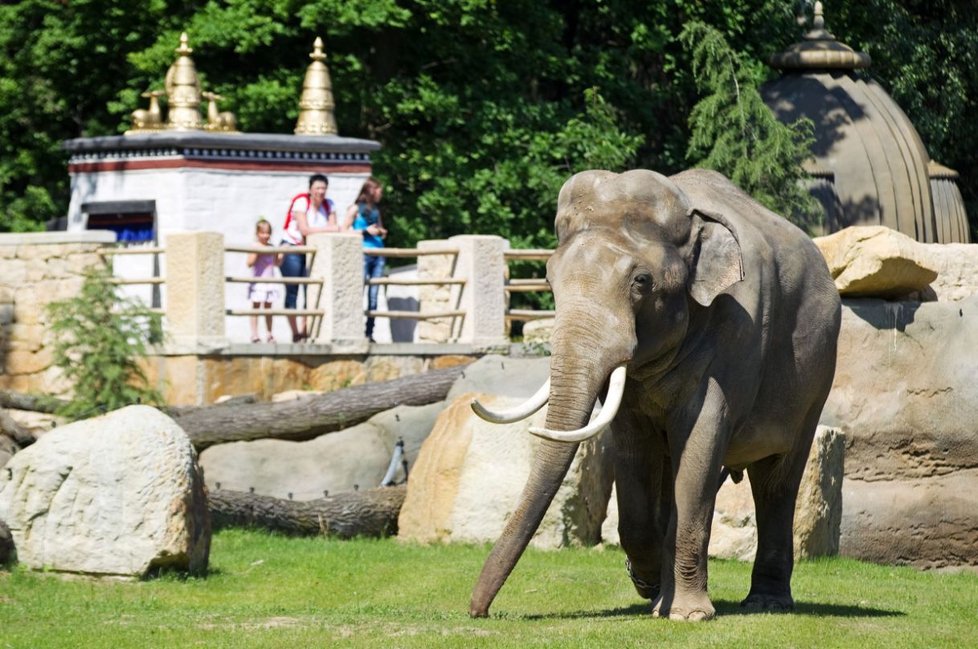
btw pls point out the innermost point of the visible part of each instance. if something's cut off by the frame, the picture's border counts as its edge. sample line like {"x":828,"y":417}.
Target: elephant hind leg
{"x":774,"y":483}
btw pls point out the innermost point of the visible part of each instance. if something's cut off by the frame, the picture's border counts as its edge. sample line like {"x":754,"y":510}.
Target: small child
{"x":263,"y":265}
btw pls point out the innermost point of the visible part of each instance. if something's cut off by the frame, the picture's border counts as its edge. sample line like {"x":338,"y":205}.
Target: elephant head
{"x":634,"y":259}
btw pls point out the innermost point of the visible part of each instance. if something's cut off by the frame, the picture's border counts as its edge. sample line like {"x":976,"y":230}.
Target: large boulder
{"x":906,"y":394}
{"x":354,"y":458}
{"x":470,"y":475}
{"x":502,"y":376}
{"x":359,"y":456}
{"x":957,"y":270}
{"x":8,"y":448}
{"x":117,"y":495}
{"x":876,"y":261}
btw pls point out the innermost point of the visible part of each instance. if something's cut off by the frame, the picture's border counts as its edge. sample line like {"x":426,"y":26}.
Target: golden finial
{"x":316,"y":102}
{"x":183,"y":90}
{"x":819,"y":50}
{"x":218,"y":121}
{"x":819,"y":21}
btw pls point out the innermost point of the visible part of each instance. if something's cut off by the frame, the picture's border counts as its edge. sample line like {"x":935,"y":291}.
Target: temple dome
{"x":870,"y":166}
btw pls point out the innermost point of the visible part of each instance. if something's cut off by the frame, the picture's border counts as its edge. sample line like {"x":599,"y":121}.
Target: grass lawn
{"x":272,"y":591}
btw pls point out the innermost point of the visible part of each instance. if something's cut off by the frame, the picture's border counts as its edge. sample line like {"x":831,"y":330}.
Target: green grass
{"x":272,"y":591}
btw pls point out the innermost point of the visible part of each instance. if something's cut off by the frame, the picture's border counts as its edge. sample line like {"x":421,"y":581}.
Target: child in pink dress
{"x":263,"y":294}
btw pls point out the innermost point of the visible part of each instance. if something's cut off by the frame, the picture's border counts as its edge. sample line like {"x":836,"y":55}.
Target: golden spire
{"x":316,"y":102}
{"x":183,"y":90}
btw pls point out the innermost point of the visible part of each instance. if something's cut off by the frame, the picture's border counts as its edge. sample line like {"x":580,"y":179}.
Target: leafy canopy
{"x":475,"y":101}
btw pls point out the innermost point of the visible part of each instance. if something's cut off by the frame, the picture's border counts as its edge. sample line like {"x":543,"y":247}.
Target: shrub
{"x":99,"y":338}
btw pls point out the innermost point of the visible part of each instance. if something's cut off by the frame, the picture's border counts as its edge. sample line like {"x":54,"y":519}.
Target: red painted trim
{"x":219,"y":165}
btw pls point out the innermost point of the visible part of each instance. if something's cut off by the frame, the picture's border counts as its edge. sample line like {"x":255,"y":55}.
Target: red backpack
{"x":288,"y":215}
{"x":305,"y":195}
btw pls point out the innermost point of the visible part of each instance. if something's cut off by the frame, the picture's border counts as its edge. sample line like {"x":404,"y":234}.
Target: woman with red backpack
{"x":308,"y":213}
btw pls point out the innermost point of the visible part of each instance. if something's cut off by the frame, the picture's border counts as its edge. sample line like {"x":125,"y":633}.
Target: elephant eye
{"x":643,"y":282}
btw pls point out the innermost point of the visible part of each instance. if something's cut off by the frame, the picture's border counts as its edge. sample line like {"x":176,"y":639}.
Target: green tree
{"x":99,"y":339}
{"x":61,"y":64}
{"x":469,"y":97}
{"x":735,"y":133}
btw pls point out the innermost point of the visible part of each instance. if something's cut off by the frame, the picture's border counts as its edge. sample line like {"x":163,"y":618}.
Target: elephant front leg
{"x":684,"y":572}
{"x":644,"y":491}
{"x":696,"y":465}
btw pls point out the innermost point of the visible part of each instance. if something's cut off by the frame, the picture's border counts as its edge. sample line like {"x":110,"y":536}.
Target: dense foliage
{"x":100,"y":338}
{"x":483,"y":107}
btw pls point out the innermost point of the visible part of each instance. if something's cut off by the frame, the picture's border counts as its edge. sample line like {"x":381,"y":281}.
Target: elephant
{"x":707,"y":325}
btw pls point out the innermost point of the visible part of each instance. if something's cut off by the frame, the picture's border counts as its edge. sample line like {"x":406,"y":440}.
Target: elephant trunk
{"x":574,"y":388}
{"x":552,"y":461}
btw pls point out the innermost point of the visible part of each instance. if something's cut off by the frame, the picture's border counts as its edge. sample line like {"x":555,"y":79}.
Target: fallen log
{"x":372,"y":512}
{"x":20,"y":401}
{"x":311,"y":416}
{"x":21,"y":437}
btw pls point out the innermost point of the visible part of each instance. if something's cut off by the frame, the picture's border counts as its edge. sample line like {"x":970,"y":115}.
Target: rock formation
{"x":470,"y":474}
{"x":117,"y":495}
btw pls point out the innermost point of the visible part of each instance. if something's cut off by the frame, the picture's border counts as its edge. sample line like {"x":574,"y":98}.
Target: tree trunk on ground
{"x":21,"y":401}
{"x":309,"y":417}
{"x":372,"y":512}
{"x":20,"y":436}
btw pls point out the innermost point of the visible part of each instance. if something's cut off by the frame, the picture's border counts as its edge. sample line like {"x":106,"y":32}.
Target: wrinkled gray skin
{"x":727,"y":319}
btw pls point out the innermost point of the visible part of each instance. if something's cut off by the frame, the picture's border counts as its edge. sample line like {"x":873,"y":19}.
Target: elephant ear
{"x":717,"y":261}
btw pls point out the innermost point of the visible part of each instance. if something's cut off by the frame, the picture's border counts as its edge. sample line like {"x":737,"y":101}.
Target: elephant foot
{"x":692,"y":609}
{"x":768,"y":603}
{"x":645,"y":589}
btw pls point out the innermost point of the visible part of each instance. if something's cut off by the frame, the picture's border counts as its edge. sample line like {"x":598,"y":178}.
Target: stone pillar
{"x":338,"y":261}
{"x":818,"y":512}
{"x":195,"y":288}
{"x":437,"y":297}
{"x":481,"y":263}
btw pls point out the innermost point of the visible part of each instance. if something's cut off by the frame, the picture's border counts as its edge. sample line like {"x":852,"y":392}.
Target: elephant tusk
{"x":518,"y":413}
{"x":616,"y":388}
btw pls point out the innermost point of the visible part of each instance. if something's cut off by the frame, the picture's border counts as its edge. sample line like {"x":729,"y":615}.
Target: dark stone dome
{"x":870,"y":166}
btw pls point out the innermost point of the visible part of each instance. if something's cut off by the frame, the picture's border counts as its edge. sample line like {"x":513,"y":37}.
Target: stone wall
{"x":36,"y":269}
{"x":906,"y":396}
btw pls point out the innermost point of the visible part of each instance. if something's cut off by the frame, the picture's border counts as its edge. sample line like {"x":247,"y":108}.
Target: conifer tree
{"x":735,"y":133}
